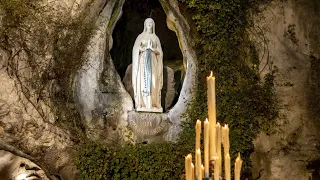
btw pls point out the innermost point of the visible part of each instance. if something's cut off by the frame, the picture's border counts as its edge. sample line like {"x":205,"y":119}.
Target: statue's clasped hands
{"x":150,"y":45}
{"x":151,"y":48}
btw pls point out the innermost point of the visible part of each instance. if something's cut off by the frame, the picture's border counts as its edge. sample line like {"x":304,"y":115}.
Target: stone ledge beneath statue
{"x":143,"y":109}
{"x":147,"y":126}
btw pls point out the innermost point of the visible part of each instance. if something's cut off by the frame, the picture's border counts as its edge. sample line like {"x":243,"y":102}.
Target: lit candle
{"x":237,"y":167}
{"x":211,"y":96}
{"x":226,"y":143}
{"x":218,"y":141}
{"x":198,"y":165}
{"x":211,"y":93}
{"x":206,"y":148}
{"x":192,"y":171}
{"x":186,"y":167}
{"x":227,"y":171}
{"x":216,"y":168}
{"x":198,"y":134}
{"x":188,"y":161}
{"x":202,"y":169}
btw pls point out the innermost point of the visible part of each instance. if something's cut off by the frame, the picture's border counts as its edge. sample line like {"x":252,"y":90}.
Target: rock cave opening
{"x":126,"y":30}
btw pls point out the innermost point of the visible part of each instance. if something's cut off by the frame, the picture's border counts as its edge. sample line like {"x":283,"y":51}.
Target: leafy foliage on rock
{"x":153,"y":161}
{"x":245,"y":101}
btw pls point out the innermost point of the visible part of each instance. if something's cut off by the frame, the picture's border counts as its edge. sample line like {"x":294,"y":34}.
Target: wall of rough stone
{"x":288,"y":40}
{"x":23,"y":130}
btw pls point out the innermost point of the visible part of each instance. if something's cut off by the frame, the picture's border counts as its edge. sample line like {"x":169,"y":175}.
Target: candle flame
{"x":206,"y":120}
{"x":192,"y":165}
{"x":239,"y":157}
{"x":211,"y":74}
{"x":226,"y":126}
{"x":218,"y":124}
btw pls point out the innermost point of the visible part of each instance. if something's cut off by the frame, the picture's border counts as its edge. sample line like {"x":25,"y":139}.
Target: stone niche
{"x":128,"y":27}
{"x":103,"y":86}
{"x":148,"y":127}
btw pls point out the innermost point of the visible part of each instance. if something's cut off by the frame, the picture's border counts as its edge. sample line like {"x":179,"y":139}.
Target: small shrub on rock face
{"x":153,"y":161}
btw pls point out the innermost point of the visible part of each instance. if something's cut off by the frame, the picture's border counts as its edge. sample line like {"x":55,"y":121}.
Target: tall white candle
{"x":237,"y":167}
{"x":206,"y":148}
{"x":218,"y":141}
{"x":211,"y":96}
{"x":213,"y":140}
{"x":198,"y":165}
{"x":186,"y":167}
{"x":192,"y":171}
{"x":188,"y":163}
{"x":198,"y":135}
{"x":216,"y":168}
{"x":226,"y":143}
{"x":227,"y":171}
{"x":202,"y":170}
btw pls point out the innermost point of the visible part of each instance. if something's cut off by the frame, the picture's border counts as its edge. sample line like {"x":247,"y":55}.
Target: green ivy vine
{"x":244,"y":101}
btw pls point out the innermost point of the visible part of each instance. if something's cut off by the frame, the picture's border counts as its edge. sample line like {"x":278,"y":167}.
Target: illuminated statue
{"x":147,"y":69}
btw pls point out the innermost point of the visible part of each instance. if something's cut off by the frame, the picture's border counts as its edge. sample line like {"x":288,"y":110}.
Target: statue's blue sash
{"x":147,"y":74}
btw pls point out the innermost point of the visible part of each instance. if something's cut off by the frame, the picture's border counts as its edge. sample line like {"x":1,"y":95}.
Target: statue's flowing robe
{"x":140,"y":64}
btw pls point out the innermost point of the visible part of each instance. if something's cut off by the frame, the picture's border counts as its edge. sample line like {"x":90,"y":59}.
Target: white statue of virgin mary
{"x":147,"y":69}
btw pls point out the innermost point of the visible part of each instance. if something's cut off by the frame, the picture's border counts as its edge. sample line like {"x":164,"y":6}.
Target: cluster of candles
{"x":214,"y":137}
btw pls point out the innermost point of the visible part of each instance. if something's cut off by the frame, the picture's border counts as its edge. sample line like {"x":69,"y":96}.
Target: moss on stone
{"x":115,"y":14}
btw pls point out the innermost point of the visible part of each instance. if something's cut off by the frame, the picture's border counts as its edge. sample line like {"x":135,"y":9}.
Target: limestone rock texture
{"x":15,"y":167}
{"x":25,"y":133}
{"x":289,"y":42}
{"x":28,"y":127}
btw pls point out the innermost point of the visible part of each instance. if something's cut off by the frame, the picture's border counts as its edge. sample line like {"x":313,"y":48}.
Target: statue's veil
{"x":145,"y":26}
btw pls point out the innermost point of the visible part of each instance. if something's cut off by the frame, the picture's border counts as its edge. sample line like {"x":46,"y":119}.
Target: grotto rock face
{"x":25,"y":133}
{"x":99,"y":93}
{"x":291,"y":29}
{"x":27,"y":125}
